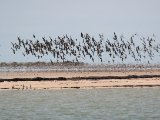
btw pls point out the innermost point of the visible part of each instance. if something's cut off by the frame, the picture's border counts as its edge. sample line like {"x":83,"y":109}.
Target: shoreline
{"x":81,"y":84}
{"x":78,"y":80}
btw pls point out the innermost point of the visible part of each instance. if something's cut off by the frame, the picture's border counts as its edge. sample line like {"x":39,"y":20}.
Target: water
{"x":81,"y":104}
{"x":78,"y":68}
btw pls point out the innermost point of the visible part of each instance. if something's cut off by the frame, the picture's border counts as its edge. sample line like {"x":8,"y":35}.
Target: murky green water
{"x":79,"y":104}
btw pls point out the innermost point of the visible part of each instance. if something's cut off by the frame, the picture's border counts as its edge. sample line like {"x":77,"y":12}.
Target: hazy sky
{"x":58,"y":17}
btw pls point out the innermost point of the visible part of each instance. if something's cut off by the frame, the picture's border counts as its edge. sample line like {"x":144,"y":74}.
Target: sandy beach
{"x":77,"y":83}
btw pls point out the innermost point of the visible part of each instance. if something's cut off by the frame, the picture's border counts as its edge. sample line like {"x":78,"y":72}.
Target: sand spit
{"x":78,"y":80}
{"x":25,"y":85}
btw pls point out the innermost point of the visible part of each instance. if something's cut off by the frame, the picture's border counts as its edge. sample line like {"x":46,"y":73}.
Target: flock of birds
{"x":65,"y":48}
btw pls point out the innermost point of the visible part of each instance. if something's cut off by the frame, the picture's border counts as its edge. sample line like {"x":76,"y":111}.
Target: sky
{"x":58,"y":17}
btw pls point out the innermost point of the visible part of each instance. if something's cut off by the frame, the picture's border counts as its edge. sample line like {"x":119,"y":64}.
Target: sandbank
{"x":77,"y":83}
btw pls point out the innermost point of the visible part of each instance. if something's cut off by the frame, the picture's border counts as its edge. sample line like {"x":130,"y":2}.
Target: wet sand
{"x":78,"y":82}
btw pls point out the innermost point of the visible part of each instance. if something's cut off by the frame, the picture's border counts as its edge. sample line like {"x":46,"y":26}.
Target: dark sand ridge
{"x":81,"y":78}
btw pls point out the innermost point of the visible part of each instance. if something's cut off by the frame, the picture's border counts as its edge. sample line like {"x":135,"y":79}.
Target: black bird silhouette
{"x":34,"y":36}
{"x":82,"y":35}
{"x":64,"y":48}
